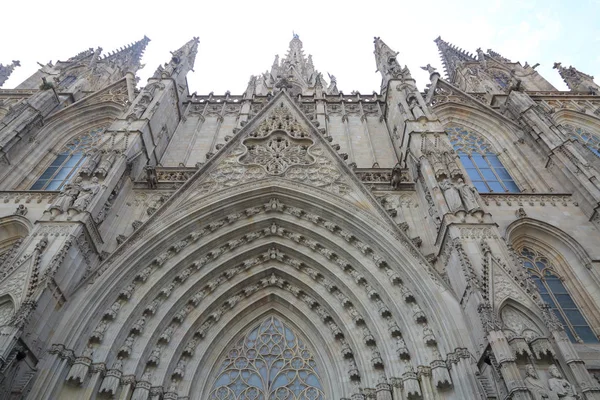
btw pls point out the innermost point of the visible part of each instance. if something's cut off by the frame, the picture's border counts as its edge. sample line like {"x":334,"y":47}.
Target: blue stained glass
{"x":59,"y":160}
{"x":54,"y":185}
{"x":511,"y":186}
{"x":480,"y":186}
{"x":467,"y":163}
{"x":480,"y":162}
{"x":575,"y":317}
{"x":586,"y":334}
{"x":62,"y":173}
{"x":63,"y":167}
{"x":503,"y":174}
{"x":555,"y":285}
{"x":554,"y":292}
{"x":38,"y":185}
{"x":71,"y":162}
{"x":285,"y":368}
{"x":496,"y":187}
{"x":589,"y":139}
{"x":565,"y":301}
{"x":48,"y":173}
{"x":474,"y":174}
{"x":488,"y":175}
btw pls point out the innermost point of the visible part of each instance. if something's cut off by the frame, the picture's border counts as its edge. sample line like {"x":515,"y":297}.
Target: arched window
{"x":554,"y":293}
{"x":65,"y":165}
{"x":588,"y":139}
{"x":482,"y":164}
{"x":270,"y":362}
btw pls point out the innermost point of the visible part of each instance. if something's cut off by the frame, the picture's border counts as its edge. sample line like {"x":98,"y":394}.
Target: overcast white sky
{"x":240,"y":38}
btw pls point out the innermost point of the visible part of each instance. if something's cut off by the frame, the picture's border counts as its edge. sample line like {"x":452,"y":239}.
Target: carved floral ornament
{"x":273,"y":254}
{"x":279,"y":146}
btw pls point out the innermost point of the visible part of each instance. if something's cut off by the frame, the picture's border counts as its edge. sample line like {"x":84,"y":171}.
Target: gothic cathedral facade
{"x":296,"y":242}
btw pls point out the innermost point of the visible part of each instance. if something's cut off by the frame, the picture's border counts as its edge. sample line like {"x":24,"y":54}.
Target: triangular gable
{"x":502,"y":287}
{"x":279,"y":143}
{"x":445,"y":92}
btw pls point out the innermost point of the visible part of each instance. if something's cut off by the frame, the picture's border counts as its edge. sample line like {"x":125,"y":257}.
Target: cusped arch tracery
{"x":271,"y":362}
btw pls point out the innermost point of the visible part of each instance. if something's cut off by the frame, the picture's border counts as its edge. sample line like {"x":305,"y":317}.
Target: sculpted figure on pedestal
{"x":85,"y":196}
{"x":468,"y":196}
{"x":536,"y":387}
{"x":151,"y":177}
{"x":415,"y":108}
{"x":67,"y":196}
{"x":563,"y":389}
{"x":93,"y":157}
{"x":452,"y":195}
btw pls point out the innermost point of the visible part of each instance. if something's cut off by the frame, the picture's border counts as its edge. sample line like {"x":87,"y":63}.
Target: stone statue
{"x":151,"y":177}
{"x":396,"y":177}
{"x":415,"y":108}
{"x":93,"y":157}
{"x":67,"y":196}
{"x":428,"y":68}
{"x":452,"y":195}
{"x":536,"y":387}
{"x":85,"y":196}
{"x":563,"y":389}
{"x":468,"y":196}
{"x":106,"y":163}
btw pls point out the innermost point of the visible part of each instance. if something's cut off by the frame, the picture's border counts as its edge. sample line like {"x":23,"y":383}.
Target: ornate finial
{"x":6,"y":70}
{"x":576,"y":80}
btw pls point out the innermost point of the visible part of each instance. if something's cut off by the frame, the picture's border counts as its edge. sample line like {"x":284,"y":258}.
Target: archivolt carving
{"x":277,"y":206}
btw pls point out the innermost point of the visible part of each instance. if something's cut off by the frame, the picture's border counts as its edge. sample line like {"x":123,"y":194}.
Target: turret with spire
{"x":387,"y":64}
{"x":6,"y":70}
{"x":576,"y":80}
{"x":487,"y":72}
{"x":452,"y":56}
{"x":89,"y":71}
{"x":295,"y":72}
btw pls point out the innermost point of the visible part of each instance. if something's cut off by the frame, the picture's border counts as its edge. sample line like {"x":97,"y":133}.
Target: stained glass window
{"x":268,"y":363}
{"x":501,"y":79}
{"x":68,"y":161}
{"x":590,"y":140}
{"x":554,"y":293}
{"x":482,"y":164}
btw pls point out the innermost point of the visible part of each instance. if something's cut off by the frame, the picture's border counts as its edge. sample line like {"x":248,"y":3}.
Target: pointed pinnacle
{"x":6,"y":70}
{"x":451,"y":56}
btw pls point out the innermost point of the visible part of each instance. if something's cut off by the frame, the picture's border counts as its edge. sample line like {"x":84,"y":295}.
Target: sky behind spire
{"x":239,"y":40}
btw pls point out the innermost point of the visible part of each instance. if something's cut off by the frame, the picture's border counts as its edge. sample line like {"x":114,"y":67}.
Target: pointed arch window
{"x":482,"y":164}
{"x":554,"y":293}
{"x":269,"y":363}
{"x":67,"y":162}
{"x":586,"y":138}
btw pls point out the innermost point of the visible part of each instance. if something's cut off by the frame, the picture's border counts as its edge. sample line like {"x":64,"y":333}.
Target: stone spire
{"x":6,"y":70}
{"x":452,"y":56}
{"x":295,"y":72}
{"x":182,"y":61}
{"x":576,"y":80}
{"x":128,"y":57}
{"x":497,"y":56}
{"x":387,"y":64}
